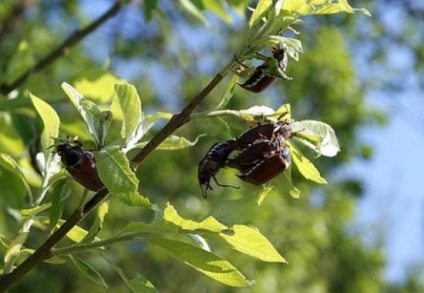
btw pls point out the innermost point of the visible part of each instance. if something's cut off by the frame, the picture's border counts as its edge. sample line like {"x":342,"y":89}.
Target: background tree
{"x":313,"y":233}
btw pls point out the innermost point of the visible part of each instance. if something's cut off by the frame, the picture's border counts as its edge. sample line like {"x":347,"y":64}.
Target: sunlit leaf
{"x":205,"y":262}
{"x":51,"y":123}
{"x":115,"y":172}
{"x":250,"y":241}
{"x":15,"y":246}
{"x":259,"y":12}
{"x":305,"y":167}
{"x":97,"y":121}
{"x":320,"y":135}
{"x":209,"y":224}
{"x":97,"y":84}
{"x":130,"y":104}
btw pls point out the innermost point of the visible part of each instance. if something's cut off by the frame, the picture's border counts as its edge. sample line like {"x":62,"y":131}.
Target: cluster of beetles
{"x":259,"y":154}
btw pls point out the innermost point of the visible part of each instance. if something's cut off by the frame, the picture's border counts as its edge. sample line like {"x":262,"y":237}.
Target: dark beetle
{"x":253,"y":154}
{"x":268,"y":168}
{"x":81,"y":164}
{"x":260,"y":79}
{"x":265,"y":131}
{"x":215,"y":158}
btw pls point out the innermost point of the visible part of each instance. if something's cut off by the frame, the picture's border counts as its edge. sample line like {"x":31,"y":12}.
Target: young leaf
{"x":88,"y":271}
{"x":51,"y":123}
{"x":261,"y":8}
{"x":76,"y":234}
{"x":115,"y":172}
{"x":305,"y":167}
{"x":136,"y":200}
{"x":321,"y":137}
{"x":97,"y":121}
{"x":130,"y":104}
{"x":209,"y":224}
{"x":102,"y":210}
{"x":228,"y":93}
{"x":250,"y":241}
{"x":60,"y":191}
{"x":14,"y":248}
{"x":205,"y":262}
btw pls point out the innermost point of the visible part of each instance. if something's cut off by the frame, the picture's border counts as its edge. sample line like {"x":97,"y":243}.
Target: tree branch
{"x":71,"y":41}
{"x":45,"y":250}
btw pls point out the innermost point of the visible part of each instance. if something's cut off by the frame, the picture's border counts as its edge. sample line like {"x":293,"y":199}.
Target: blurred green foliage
{"x":168,"y":60}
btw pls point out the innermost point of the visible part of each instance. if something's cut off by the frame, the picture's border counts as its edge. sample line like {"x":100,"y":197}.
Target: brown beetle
{"x":81,"y":164}
{"x":260,"y":79}
{"x":253,"y":154}
{"x":215,"y":158}
{"x":268,"y":168}
{"x":265,"y":131}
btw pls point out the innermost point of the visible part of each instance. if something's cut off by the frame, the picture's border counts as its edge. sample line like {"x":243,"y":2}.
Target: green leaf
{"x":76,"y":234}
{"x":305,"y":167}
{"x":14,"y":247}
{"x":321,"y":137}
{"x":134,"y":199}
{"x":14,"y":186}
{"x":209,"y":224}
{"x":204,"y":261}
{"x":97,"y":84}
{"x":261,"y":9}
{"x":229,"y":92}
{"x":140,"y":284}
{"x":35,"y":210}
{"x":239,"y":210}
{"x":159,"y":228}
{"x":88,"y":271}
{"x":97,"y":121}
{"x":130,"y":104}
{"x":102,"y":210}
{"x":51,"y":123}
{"x":60,"y":191}
{"x":115,"y":172}
{"x":250,"y":241}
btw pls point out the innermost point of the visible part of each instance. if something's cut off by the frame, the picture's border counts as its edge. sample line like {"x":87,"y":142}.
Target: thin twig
{"x":71,"y":41}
